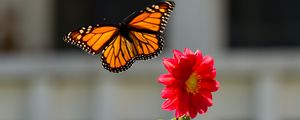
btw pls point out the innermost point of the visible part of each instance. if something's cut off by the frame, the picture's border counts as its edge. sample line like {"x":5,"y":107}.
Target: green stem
{"x":182,"y":118}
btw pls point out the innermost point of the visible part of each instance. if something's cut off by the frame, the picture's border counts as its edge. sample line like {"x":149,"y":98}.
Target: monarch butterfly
{"x":137,"y":37}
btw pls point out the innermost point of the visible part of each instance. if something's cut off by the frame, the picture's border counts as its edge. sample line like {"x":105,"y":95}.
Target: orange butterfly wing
{"x":119,"y":54}
{"x":146,"y":45}
{"x":147,"y":27}
{"x":92,"y":39}
{"x":153,"y":18}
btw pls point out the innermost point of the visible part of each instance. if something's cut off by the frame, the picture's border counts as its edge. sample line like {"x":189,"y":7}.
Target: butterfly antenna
{"x":129,"y":16}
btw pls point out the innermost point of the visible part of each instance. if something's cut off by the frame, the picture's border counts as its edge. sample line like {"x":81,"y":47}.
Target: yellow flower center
{"x":192,"y":84}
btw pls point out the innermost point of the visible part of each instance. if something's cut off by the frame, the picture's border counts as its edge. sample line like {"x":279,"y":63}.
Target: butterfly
{"x":137,"y":37}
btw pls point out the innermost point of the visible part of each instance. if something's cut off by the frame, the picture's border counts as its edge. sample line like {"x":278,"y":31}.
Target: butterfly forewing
{"x":153,"y":18}
{"x":146,"y":29}
{"x":92,"y":39}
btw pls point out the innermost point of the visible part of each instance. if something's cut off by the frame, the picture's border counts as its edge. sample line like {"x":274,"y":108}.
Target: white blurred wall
{"x":255,"y":85}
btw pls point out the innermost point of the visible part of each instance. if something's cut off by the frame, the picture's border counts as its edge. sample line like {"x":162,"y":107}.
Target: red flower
{"x":189,"y":83}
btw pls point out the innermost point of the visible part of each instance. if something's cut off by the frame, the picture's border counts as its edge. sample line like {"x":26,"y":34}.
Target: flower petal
{"x":167,"y":79}
{"x":184,"y":102}
{"x":202,"y":110}
{"x":204,"y":101}
{"x":206,"y":66}
{"x":169,"y":104}
{"x":193,"y":111}
{"x":177,"y":55}
{"x":198,"y":53}
{"x":207,"y":98}
{"x":208,"y":61}
{"x":199,"y":59}
{"x":168,"y":92}
{"x":188,"y":51}
{"x":200,"y":102}
{"x":210,"y":85}
{"x":191,"y":57}
{"x":169,"y":64}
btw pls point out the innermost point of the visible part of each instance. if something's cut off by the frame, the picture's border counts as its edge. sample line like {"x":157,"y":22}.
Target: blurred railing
{"x":263,"y":78}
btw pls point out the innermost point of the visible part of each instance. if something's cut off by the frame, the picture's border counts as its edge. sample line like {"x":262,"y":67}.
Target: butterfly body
{"x":138,"y":37}
{"x":124,"y":31}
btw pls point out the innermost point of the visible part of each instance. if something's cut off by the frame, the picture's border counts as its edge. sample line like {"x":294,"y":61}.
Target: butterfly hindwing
{"x":92,"y":39}
{"x":118,"y":55}
{"x":147,"y":45}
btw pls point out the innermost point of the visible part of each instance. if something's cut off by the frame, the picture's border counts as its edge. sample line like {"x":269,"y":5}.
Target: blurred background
{"x":255,"y":44}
